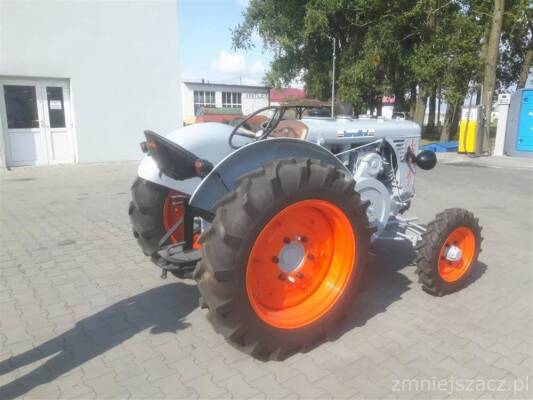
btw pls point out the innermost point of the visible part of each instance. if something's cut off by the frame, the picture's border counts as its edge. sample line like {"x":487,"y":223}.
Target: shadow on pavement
{"x":162,"y":309}
{"x":383,"y":283}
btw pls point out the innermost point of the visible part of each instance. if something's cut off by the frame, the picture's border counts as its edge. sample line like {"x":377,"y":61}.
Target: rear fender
{"x":221,"y":180}
{"x":208,"y":141}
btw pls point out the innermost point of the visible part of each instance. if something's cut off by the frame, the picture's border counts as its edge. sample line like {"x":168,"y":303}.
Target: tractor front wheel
{"x":283,"y":257}
{"x":448,"y":251}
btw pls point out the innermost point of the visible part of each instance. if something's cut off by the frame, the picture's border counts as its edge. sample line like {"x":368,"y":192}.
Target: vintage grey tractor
{"x":275,"y":225}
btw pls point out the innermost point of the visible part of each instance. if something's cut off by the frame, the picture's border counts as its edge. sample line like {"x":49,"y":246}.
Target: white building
{"x":80,"y":81}
{"x":243,"y":98}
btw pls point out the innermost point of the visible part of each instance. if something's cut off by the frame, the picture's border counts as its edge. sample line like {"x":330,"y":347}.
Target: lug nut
{"x":303,"y":239}
{"x":311,"y":257}
{"x":282,"y":277}
{"x":275,"y":260}
{"x":286,"y":240}
{"x":299,"y":275}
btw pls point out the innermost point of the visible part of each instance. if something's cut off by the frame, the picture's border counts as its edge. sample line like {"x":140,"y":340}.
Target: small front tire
{"x":448,"y":251}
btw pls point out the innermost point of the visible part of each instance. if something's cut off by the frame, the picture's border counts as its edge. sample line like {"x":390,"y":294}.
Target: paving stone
{"x":205,"y":387}
{"x":240,"y":389}
{"x":336,"y":389}
{"x":171,"y":387}
{"x":270,"y":386}
{"x":188,"y":369}
{"x":305,"y":388}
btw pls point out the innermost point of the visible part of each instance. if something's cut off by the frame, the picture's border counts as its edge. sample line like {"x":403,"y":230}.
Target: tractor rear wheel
{"x":283,"y":257}
{"x":448,"y":251}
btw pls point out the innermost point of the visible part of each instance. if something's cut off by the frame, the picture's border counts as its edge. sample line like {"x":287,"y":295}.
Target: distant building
{"x":387,"y":108}
{"x":278,"y":96}
{"x":238,"y":99}
{"x":81,"y":80}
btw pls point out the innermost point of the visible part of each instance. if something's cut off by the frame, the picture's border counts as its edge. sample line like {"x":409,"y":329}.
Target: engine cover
{"x":379,"y":210}
{"x":371,"y":189}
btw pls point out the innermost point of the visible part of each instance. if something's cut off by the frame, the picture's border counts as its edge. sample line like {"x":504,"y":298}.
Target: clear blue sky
{"x":205,"y":43}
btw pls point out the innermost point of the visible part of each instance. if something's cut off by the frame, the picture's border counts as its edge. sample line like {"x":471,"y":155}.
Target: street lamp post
{"x":333,"y":82}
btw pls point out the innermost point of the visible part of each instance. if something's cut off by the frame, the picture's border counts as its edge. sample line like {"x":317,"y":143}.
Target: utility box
{"x":468,"y":130}
{"x":519,"y":134}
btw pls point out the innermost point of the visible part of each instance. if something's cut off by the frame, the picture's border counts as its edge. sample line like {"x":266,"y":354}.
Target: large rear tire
{"x":153,"y":210}
{"x":283,"y":257}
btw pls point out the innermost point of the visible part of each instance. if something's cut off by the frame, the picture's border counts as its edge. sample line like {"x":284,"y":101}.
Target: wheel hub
{"x":291,"y":256}
{"x":457,"y":254}
{"x":454,"y":253}
{"x":300,"y":263}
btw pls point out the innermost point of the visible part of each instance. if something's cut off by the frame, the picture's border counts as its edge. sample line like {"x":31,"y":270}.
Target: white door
{"x":37,"y":122}
{"x":57,"y":122}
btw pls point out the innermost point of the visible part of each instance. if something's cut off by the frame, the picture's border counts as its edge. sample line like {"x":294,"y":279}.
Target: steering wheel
{"x":261,"y":134}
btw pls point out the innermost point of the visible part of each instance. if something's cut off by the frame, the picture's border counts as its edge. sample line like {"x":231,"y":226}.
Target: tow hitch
{"x":179,"y":258}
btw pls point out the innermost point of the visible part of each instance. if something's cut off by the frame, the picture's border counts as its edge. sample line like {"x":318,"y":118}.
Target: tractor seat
{"x":291,"y":129}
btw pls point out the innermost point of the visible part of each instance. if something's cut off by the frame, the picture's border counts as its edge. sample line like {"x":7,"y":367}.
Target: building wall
{"x":252,"y":98}
{"x":121,"y":59}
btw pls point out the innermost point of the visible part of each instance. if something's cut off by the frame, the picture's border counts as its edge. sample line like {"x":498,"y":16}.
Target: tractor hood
{"x":347,"y":130}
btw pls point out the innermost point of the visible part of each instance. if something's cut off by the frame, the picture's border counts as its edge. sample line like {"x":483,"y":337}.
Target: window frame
{"x":232,"y":100}
{"x":203,"y":98}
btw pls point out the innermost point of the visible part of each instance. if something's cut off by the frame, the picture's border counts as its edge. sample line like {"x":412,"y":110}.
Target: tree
{"x":516,"y":46}
{"x":489,"y":76}
{"x":405,"y":48}
{"x":526,"y":68}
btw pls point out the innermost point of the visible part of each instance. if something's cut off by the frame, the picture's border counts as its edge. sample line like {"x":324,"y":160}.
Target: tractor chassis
{"x":399,"y":228}
{"x":180,"y":258}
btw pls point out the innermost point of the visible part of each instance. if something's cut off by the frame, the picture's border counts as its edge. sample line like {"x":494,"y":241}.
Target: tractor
{"x":275,"y":222}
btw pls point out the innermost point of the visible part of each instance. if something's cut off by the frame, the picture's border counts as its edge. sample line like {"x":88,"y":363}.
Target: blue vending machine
{"x":519,"y":135}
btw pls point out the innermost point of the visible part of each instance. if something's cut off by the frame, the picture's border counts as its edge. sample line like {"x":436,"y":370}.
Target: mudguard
{"x":221,"y":180}
{"x":208,"y":141}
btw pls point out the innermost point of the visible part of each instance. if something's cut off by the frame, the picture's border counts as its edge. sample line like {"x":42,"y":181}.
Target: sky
{"x":206,"y":48}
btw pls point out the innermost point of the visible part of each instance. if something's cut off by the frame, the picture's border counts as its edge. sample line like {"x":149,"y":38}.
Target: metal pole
{"x":333,"y":82}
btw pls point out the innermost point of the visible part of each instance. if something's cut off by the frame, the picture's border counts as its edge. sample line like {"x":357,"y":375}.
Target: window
{"x":21,"y":107}
{"x":231,"y":99}
{"x":203,"y":99}
{"x":56,"y":109}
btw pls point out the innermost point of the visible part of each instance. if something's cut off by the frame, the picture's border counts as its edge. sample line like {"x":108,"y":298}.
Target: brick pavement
{"x":85,"y":315}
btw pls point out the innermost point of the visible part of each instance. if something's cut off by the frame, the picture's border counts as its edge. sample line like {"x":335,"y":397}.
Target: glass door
{"x":36,"y":117}
{"x":57,"y":122}
{"x":23,"y":114}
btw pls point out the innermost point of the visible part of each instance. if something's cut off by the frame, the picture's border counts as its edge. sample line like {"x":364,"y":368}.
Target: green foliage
{"x":384,"y":47}
{"x":517,"y":38}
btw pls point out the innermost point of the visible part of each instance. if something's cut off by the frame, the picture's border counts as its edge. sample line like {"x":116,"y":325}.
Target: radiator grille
{"x":399,"y":145}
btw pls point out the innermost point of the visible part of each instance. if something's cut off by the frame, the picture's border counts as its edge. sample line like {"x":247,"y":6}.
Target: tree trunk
{"x":439,"y":100}
{"x":454,"y":127}
{"x":420,"y":107}
{"x":412,"y":102}
{"x":489,"y":76}
{"x":524,"y":72}
{"x":430,"y":128}
{"x":483,"y":55}
{"x":451,"y":121}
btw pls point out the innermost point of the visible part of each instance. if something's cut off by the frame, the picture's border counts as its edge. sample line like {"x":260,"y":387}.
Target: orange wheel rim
{"x":300,"y":264}
{"x":172,"y":212}
{"x":456,"y":254}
